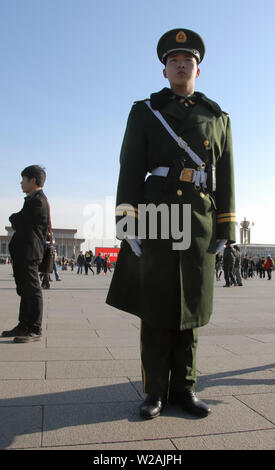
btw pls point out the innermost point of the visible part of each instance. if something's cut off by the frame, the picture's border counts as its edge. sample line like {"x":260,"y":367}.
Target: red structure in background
{"x":111,"y":252}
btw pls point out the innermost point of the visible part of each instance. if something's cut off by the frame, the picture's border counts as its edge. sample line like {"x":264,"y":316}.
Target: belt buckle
{"x":187,"y":175}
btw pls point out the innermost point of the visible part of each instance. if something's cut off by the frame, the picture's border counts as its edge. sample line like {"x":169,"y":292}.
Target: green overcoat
{"x":174,"y":288}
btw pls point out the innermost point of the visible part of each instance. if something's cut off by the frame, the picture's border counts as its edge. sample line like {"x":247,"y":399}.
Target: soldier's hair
{"x":37,"y":172}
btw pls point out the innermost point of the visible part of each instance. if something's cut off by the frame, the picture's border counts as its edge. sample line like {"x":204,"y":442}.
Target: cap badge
{"x":181,"y":37}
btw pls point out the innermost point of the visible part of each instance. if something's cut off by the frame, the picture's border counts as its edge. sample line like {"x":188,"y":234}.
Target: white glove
{"x":220,"y":245}
{"x":135,"y":245}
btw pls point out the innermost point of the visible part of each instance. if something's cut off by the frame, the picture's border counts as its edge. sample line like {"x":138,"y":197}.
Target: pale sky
{"x":71,"y":69}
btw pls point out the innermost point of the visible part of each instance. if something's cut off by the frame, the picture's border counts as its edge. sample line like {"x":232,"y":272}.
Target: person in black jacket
{"x":80,"y":261}
{"x":88,"y":261}
{"x":229,"y":257}
{"x":27,"y":248}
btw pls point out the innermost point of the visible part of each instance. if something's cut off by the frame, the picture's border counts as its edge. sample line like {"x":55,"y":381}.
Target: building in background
{"x":64,"y":239}
{"x":69,"y":246}
{"x":256,"y":251}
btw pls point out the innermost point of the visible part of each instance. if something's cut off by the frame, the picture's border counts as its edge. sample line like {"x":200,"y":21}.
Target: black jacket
{"x":229,"y":257}
{"x":81,"y":260}
{"x":31,"y":227}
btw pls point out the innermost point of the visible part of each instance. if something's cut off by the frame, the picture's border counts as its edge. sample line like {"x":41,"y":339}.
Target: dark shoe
{"x":152,"y":406}
{"x":18,"y":330}
{"x":227,"y":285}
{"x":28,"y":338}
{"x":190,"y":402}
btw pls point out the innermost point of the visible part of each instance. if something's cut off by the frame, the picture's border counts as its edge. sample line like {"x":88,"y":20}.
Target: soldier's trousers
{"x":168,"y":359}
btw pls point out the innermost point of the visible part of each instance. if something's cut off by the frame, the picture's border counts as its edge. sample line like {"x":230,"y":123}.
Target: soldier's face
{"x":181,"y":69}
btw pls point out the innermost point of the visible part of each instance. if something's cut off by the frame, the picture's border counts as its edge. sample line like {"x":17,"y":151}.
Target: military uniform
{"x":172,"y":290}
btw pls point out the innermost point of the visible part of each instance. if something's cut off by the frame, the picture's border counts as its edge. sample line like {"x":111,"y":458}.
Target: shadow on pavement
{"x":101,"y":404}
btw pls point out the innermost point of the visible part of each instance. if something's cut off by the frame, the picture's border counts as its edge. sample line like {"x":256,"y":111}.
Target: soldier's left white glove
{"x":220,"y":245}
{"x":135,"y":245}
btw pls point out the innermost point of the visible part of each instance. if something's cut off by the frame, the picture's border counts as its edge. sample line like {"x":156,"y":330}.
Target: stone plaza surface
{"x":80,"y":387}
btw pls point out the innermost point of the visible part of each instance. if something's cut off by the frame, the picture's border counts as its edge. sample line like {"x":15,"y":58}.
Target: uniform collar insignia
{"x":189,"y":100}
{"x":162,"y":98}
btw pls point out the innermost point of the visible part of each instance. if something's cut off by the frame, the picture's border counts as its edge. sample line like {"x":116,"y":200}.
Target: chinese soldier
{"x":182,"y":139}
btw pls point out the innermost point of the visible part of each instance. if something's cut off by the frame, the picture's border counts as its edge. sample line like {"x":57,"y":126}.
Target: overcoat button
{"x":206,"y":143}
{"x":179,"y":192}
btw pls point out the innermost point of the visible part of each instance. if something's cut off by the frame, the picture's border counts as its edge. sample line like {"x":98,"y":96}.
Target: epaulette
{"x":141,"y":101}
{"x":160,"y":99}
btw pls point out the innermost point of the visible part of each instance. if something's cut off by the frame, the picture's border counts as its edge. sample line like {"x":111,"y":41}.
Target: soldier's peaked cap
{"x":182,"y":40}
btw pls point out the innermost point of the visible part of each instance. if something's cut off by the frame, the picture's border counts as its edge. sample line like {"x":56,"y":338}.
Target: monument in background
{"x":254,"y":251}
{"x":245,"y":229}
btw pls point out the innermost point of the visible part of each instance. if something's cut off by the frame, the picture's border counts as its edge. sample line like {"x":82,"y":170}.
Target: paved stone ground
{"x":80,"y":388}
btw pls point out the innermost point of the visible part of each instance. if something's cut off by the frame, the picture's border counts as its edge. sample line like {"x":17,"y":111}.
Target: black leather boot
{"x":189,"y":402}
{"x":152,"y":406}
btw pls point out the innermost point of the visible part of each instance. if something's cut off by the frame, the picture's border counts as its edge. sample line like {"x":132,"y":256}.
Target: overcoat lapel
{"x":180,"y":121}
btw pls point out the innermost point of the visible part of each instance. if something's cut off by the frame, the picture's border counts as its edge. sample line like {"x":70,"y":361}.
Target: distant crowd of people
{"x":230,"y":263}
{"x":236,"y":268}
{"x":84,"y":261}
{"x":88,"y":259}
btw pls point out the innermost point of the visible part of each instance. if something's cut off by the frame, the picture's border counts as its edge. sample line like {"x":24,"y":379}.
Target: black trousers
{"x":168,"y":359}
{"x":98,"y":268}
{"x":28,"y":287}
{"x":228,"y":275}
{"x":88,"y":266}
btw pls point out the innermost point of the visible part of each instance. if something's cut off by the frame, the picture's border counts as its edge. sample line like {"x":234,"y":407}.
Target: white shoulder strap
{"x":178,"y":139}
